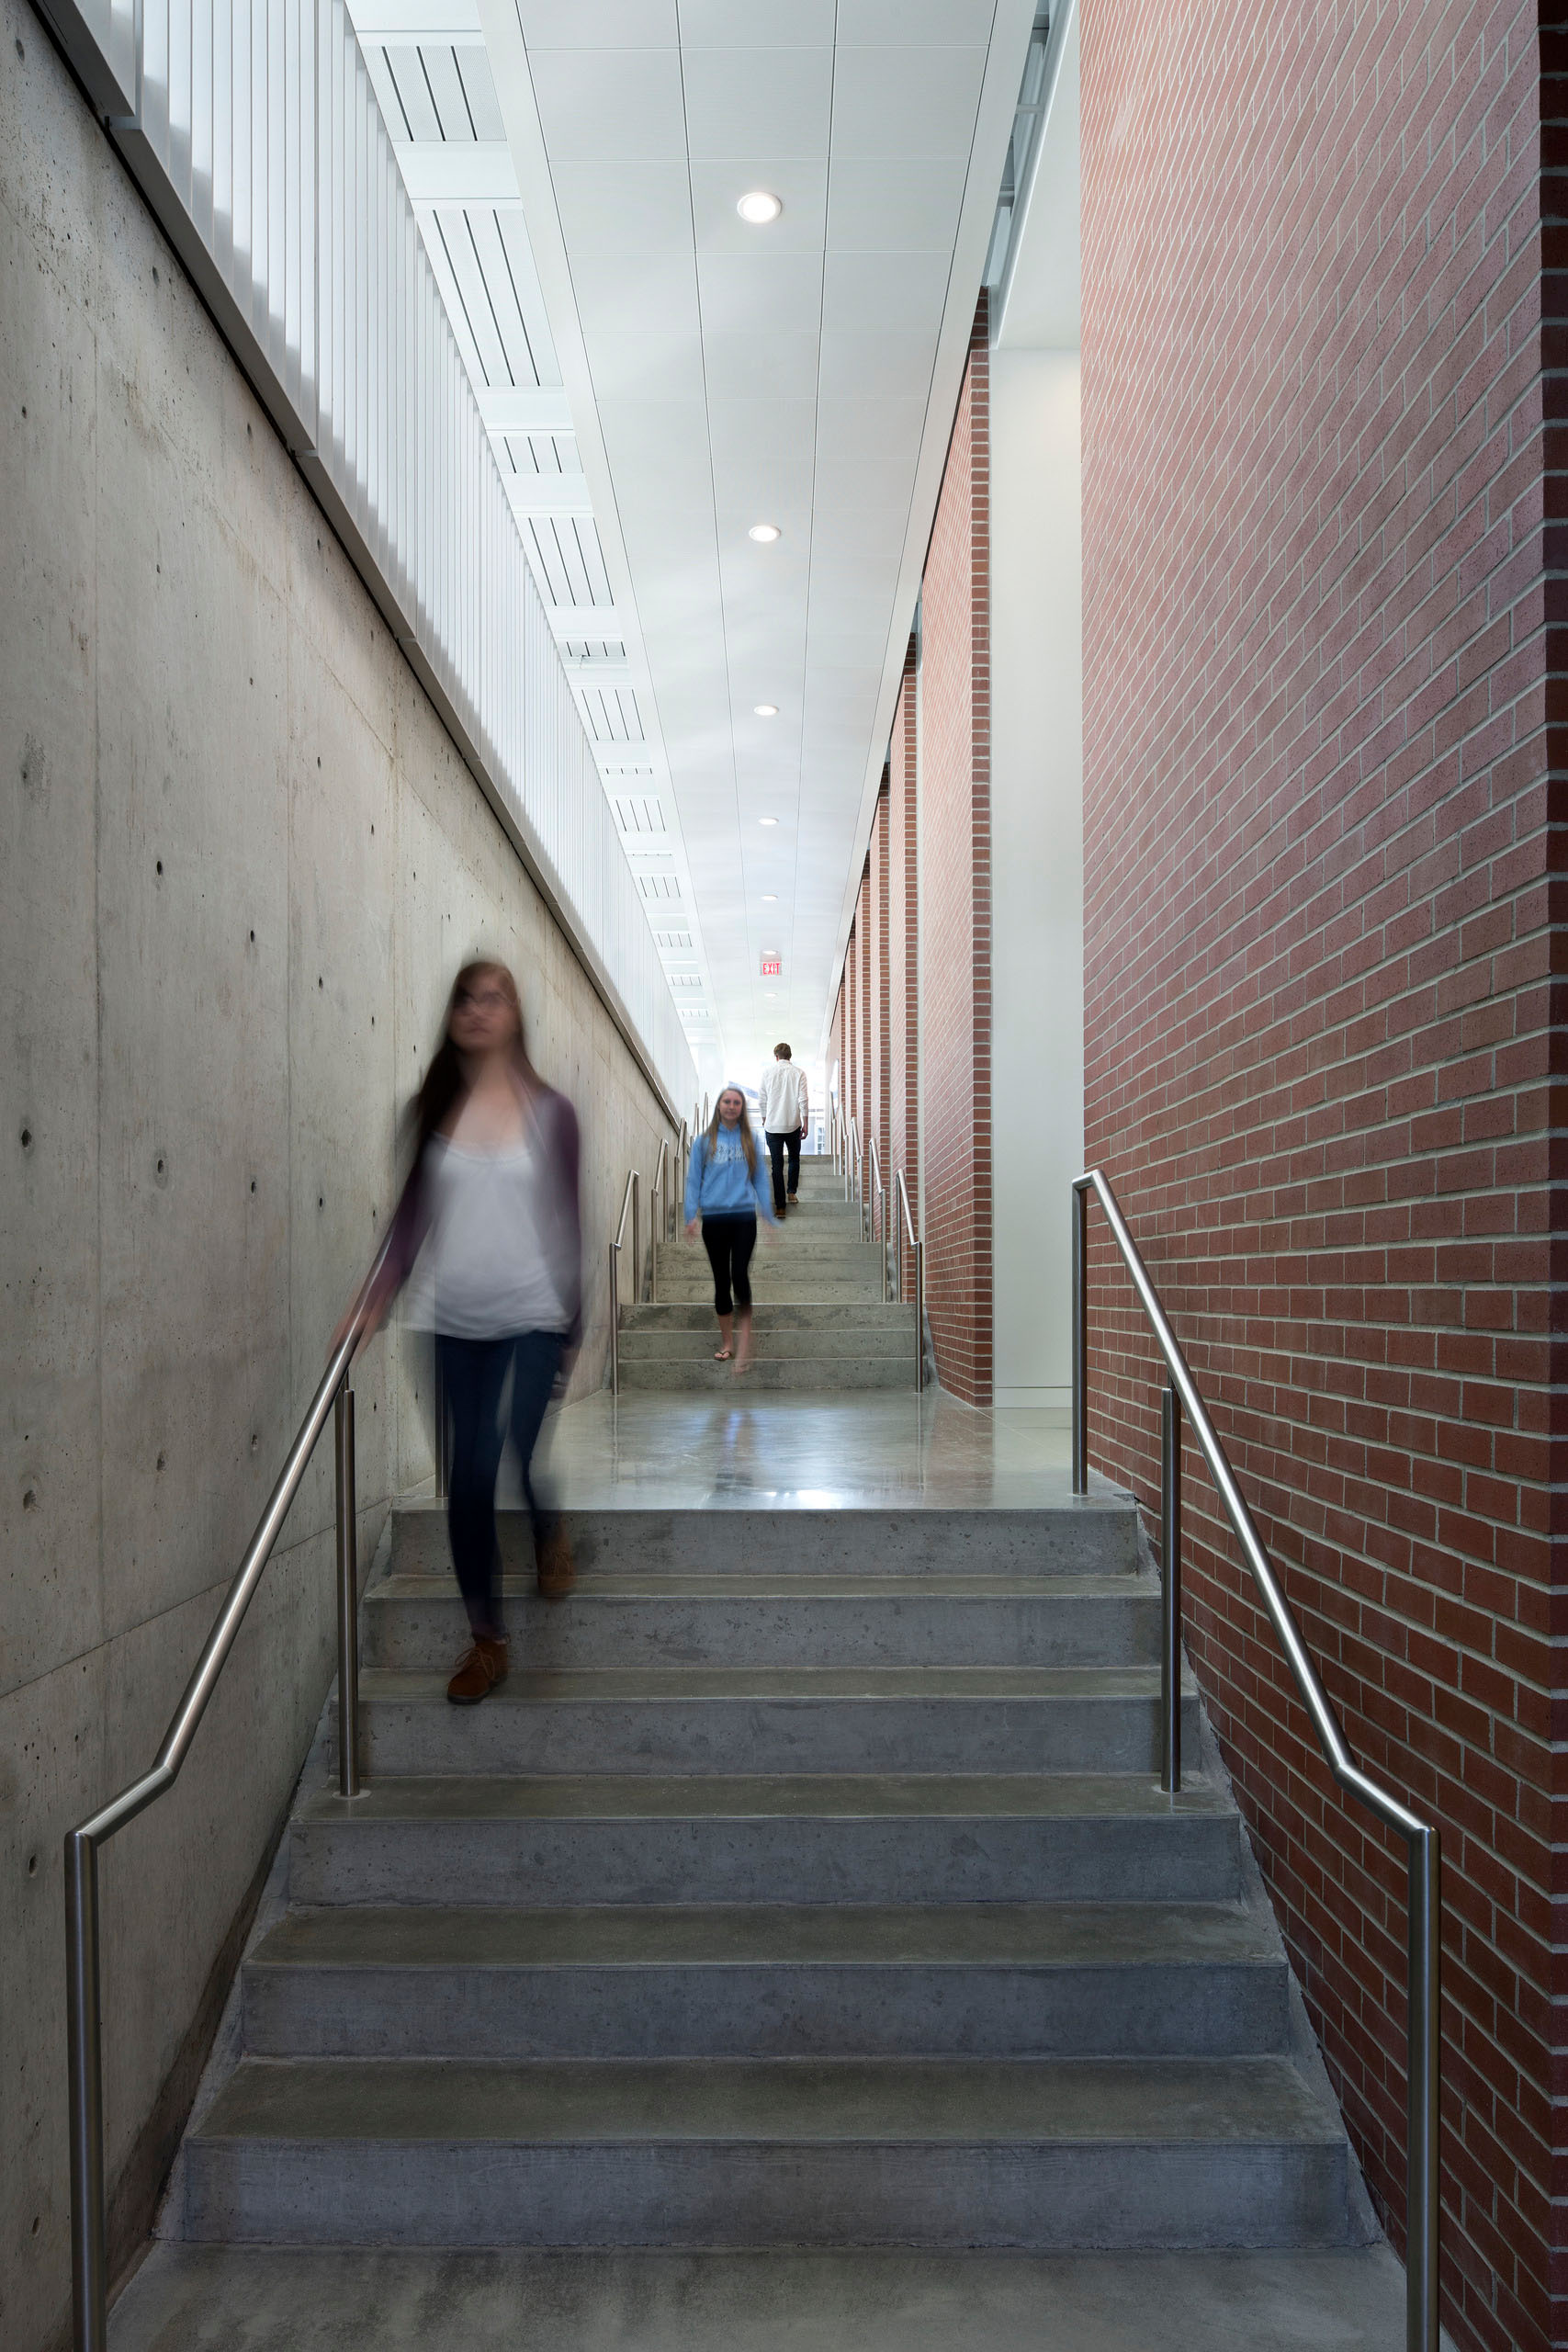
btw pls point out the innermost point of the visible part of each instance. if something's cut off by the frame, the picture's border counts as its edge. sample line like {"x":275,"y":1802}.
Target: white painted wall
{"x":1037,"y":864}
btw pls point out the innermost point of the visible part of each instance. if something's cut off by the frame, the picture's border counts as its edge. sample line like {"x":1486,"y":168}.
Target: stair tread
{"x":715,"y":1935}
{"x":827,"y":1796}
{"x":644,"y":1685}
{"x":423,"y":1585}
{"x":951,"y":2101}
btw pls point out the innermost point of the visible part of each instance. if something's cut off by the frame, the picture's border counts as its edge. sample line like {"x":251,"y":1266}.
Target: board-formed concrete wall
{"x":239,"y":862}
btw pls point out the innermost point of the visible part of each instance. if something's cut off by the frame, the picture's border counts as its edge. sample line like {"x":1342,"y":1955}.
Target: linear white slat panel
{"x":256,"y":135}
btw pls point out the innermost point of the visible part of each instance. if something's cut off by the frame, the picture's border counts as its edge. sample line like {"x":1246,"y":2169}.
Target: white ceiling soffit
{"x":720,"y":375}
{"x":429,"y":65}
{"x":1041,"y":295}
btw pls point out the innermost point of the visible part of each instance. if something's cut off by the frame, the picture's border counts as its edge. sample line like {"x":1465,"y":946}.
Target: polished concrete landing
{"x":214,"y":2298}
{"x":743,"y":1451}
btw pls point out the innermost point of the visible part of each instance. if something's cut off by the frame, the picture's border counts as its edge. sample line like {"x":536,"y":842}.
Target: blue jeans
{"x":473,"y":1377}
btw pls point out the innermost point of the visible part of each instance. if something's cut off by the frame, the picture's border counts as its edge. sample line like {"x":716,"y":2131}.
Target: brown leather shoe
{"x":478,"y":1671}
{"x":558,"y":1569}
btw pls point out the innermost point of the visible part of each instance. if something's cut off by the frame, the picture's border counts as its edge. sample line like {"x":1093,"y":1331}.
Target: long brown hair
{"x":748,"y":1141}
{"x":443,"y":1083}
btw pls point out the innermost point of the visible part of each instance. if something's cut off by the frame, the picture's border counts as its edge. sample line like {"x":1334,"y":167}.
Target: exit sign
{"x":772,"y":966}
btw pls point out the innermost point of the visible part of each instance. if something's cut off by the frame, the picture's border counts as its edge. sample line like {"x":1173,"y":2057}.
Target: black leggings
{"x":473,"y":1374}
{"x":729,"y":1241}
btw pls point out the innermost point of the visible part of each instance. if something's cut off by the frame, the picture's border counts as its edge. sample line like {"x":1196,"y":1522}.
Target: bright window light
{"x":764,"y":534}
{"x":759,"y":206}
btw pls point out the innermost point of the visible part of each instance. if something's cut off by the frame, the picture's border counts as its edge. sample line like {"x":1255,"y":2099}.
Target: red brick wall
{"x":903,"y":944}
{"x":864,"y":935}
{"x":880,"y":1027}
{"x":1320,"y":1026}
{"x":954,"y":754}
{"x":851,"y":1027}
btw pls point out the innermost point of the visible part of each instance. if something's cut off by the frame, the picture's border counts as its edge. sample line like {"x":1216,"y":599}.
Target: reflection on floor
{"x":211,"y":2298}
{"x":802,"y":1452}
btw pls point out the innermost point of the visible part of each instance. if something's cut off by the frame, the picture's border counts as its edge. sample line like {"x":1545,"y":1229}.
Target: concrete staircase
{"x":810,"y":1887}
{"x":819,"y":1323}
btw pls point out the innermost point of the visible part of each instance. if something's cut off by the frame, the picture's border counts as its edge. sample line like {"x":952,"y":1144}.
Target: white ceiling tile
{"x":657,"y":450}
{"x":750,"y":366}
{"x":909,"y":24}
{"x":756,"y":24}
{"x":759,"y":433}
{"x":598,"y":24}
{"x":624,"y":208}
{"x":877,"y":293}
{"x":906,"y":102}
{"x":863,"y":365}
{"x":622,"y":105}
{"x":860,"y":481}
{"x":851,"y":427}
{"x":801,"y":187}
{"x":760,"y":293}
{"x":861,"y":575}
{"x":887,"y":206}
{"x":858,"y":530}
{"x":646,"y":367}
{"x":757,"y":105}
{"x":636,"y":294}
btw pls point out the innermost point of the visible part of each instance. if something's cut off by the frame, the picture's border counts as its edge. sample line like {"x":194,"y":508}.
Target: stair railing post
{"x":1423,"y":2085}
{"x":1080,"y":1337}
{"x":1170,"y":1591}
{"x":919,"y":1317}
{"x":347,"y":1594}
{"x":615,"y":1320}
{"x":89,"y":2235}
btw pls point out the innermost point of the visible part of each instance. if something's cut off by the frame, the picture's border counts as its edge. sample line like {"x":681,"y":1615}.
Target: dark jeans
{"x":729,"y":1241}
{"x":777,"y":1146}
{"x":473,"y":1377}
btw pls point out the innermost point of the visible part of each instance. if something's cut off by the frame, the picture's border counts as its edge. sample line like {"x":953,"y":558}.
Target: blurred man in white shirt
{"x":783,"y":1102}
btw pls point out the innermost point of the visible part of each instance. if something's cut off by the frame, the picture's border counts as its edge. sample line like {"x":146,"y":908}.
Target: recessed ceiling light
{"x":770,"y":897}
{"x":767,"y":821}
{"x":759,"y":206}
{"x":766,"y":710}
{"x":764,"y":534}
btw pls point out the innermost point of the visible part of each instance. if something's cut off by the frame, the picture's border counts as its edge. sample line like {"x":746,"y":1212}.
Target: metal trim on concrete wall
{"x":254,"y":134}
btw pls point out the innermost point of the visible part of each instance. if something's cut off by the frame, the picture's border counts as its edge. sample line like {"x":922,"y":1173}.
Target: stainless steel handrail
{"x":84,"y":1994}
{"x":905,"y":1224}
{"x":657,"y":1204}
{"x":1423,"y":1855}
{"x":877,"y":1207}
{"x":630,"y":1203}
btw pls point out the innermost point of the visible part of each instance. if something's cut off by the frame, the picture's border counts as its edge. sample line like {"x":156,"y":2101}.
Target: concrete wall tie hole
{"x":160,"y":1171}
{"x":32,"y":1866}
{"x":26,"y":1139}
{"x":161,"y":1461}
{"x":30,"y":1499}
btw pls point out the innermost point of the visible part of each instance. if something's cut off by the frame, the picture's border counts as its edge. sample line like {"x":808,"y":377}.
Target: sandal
{"x":722,"y":1355}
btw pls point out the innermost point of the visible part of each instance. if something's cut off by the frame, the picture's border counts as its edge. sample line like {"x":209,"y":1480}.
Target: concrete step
{"x":628,"y":1620}
{"x":774,"y":1316}
{"x":797,"y":1248}
{"x":862,"y":1341}
{"x":987,"y":1980}
{"x":773,"y":1719}
{"x":808,"y":1837}
{"x":770,"y":1373}
{"x":729,"y":2152}
{"x":779,"y":1283}
{"x":1086,"y":1535}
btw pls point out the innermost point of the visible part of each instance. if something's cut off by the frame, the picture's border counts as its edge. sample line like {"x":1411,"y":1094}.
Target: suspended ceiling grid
{"x":717,"y":374}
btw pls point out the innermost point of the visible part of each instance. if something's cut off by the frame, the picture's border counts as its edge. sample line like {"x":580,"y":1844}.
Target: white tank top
{"x":488,"y":1263}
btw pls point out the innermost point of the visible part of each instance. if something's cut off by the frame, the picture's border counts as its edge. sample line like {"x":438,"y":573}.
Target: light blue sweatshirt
{"x":720,"y":1186}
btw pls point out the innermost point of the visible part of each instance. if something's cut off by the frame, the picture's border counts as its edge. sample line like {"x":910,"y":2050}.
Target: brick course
{"x":1322,"y":1010}
{"x":903,"y":950}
